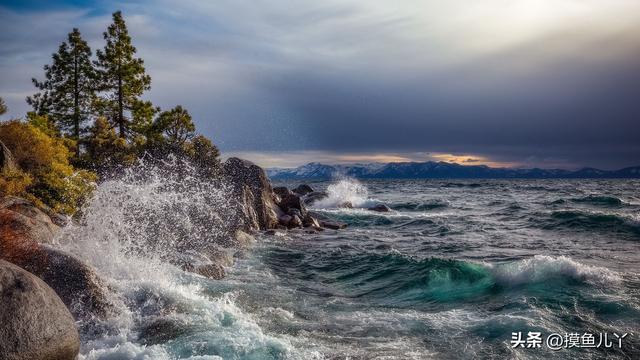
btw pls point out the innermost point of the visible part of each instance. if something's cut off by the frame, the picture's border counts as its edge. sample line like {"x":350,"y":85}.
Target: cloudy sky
{"x":550,"y":83}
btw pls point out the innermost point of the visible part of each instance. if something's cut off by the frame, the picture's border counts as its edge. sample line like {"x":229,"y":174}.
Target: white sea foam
{"x":346,"y":190}
{"x":542,"y":267}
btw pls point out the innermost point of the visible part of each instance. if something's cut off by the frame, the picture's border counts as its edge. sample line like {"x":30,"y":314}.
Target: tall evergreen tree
{"x":123,"y":77}
{"x":68,"y":92}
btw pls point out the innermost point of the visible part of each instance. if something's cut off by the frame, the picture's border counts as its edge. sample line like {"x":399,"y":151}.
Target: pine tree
{"x":176,"y":125}
{"x":3,"y":107}
{"x":122,"y":75}
{"x":67,"y":93}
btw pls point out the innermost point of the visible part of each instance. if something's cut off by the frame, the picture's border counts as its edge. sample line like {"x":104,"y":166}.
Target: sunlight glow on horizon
{"x":292,"y":159}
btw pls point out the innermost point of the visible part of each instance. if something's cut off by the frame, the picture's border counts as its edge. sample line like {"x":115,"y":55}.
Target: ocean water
{"x":451,"y":272}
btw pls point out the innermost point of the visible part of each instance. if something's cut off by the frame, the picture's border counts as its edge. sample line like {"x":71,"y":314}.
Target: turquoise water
{"x":450,"y":273}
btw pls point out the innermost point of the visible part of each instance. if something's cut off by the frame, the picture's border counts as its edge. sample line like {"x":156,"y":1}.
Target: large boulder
{"x":24,"y":234}
{"x":291,"y":202}
{"x":253,"y":193}
{"x":303,"y":189}
{"x":7,"y":161}
{"x":34,"y":322}
{"x":21,"y":217}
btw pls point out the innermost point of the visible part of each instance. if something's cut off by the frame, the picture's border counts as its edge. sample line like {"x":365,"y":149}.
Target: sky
{"x":515,"y":83}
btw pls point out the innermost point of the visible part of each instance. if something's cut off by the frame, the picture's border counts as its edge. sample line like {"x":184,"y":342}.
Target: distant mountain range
{"x":441,"y":170}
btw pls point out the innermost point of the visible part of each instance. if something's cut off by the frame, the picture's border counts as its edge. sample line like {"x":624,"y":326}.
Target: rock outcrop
{"x":34,"y":322}
{"x":303,"y":189}
{"x":253,"y":193}
{"x":312,"y":197}
{"x":25,"y":232}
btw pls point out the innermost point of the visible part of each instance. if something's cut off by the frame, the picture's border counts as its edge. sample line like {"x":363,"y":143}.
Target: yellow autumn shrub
{"x":45,"y":160}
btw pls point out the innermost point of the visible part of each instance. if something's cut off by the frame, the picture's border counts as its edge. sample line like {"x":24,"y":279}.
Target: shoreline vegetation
{"x":90,"y":124}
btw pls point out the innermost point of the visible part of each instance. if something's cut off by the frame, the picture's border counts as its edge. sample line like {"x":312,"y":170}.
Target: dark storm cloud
{"x":529,"y":83}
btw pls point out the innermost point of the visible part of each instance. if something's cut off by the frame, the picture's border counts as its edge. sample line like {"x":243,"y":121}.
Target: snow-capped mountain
{"x":435,"y":170}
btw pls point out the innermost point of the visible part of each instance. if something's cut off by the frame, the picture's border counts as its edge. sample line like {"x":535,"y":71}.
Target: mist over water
{"x":449,"y":273}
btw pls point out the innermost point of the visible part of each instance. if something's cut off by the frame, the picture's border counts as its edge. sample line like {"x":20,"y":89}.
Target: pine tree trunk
{"x":76,"y":106}
{"x":120,"y":108}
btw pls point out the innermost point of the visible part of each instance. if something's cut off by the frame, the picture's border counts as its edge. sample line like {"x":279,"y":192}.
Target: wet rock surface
{"x":34,"y":322}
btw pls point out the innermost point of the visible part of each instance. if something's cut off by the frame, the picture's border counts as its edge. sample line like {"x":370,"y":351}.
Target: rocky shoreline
{"x":57,"y":289}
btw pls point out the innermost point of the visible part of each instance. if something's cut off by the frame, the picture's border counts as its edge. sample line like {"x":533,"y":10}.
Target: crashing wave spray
{"x":345,"y":191}
{"x":131,"y":232}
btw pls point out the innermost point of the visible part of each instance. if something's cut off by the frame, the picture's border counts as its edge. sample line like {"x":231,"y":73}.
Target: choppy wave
{"x":601,"y":200}
{"x":399,"y":280}
{"x":588,"y":221}
{"x":420,"y":205}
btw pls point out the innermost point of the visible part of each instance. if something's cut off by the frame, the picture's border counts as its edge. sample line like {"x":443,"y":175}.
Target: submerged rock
{"x":303,"y":189}
{"x":327,"y":222}
{"x":211,"y":271}
{"x":380,"y":208}
{"x":34,"y":322}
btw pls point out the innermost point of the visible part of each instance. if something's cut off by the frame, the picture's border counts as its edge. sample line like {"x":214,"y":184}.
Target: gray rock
{"x":22,"y":241}
{"x":327,"y":222}
{"x":310,"y":221}
{"x":295,"y":222}
{"x":293,"y":201}
{"x":252,"y":189}
{"x":294,"y":212}
{"x":34,"y":322}
{"x":284,"y":220}
{"x":315,"y":196}
{"x":346,"y":204}
{"x":303,"y":189}
{"x":380,"y":208}
{"x":211,"y":271}
{"x":77,"y":283}
{"x":281,"y":191}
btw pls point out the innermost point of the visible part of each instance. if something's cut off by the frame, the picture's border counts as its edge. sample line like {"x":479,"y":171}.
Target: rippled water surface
{"x":449,"y":273}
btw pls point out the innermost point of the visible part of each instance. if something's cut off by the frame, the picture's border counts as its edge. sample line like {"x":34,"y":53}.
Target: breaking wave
{"x":588,"y":221}
{"x":346,"y":191}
